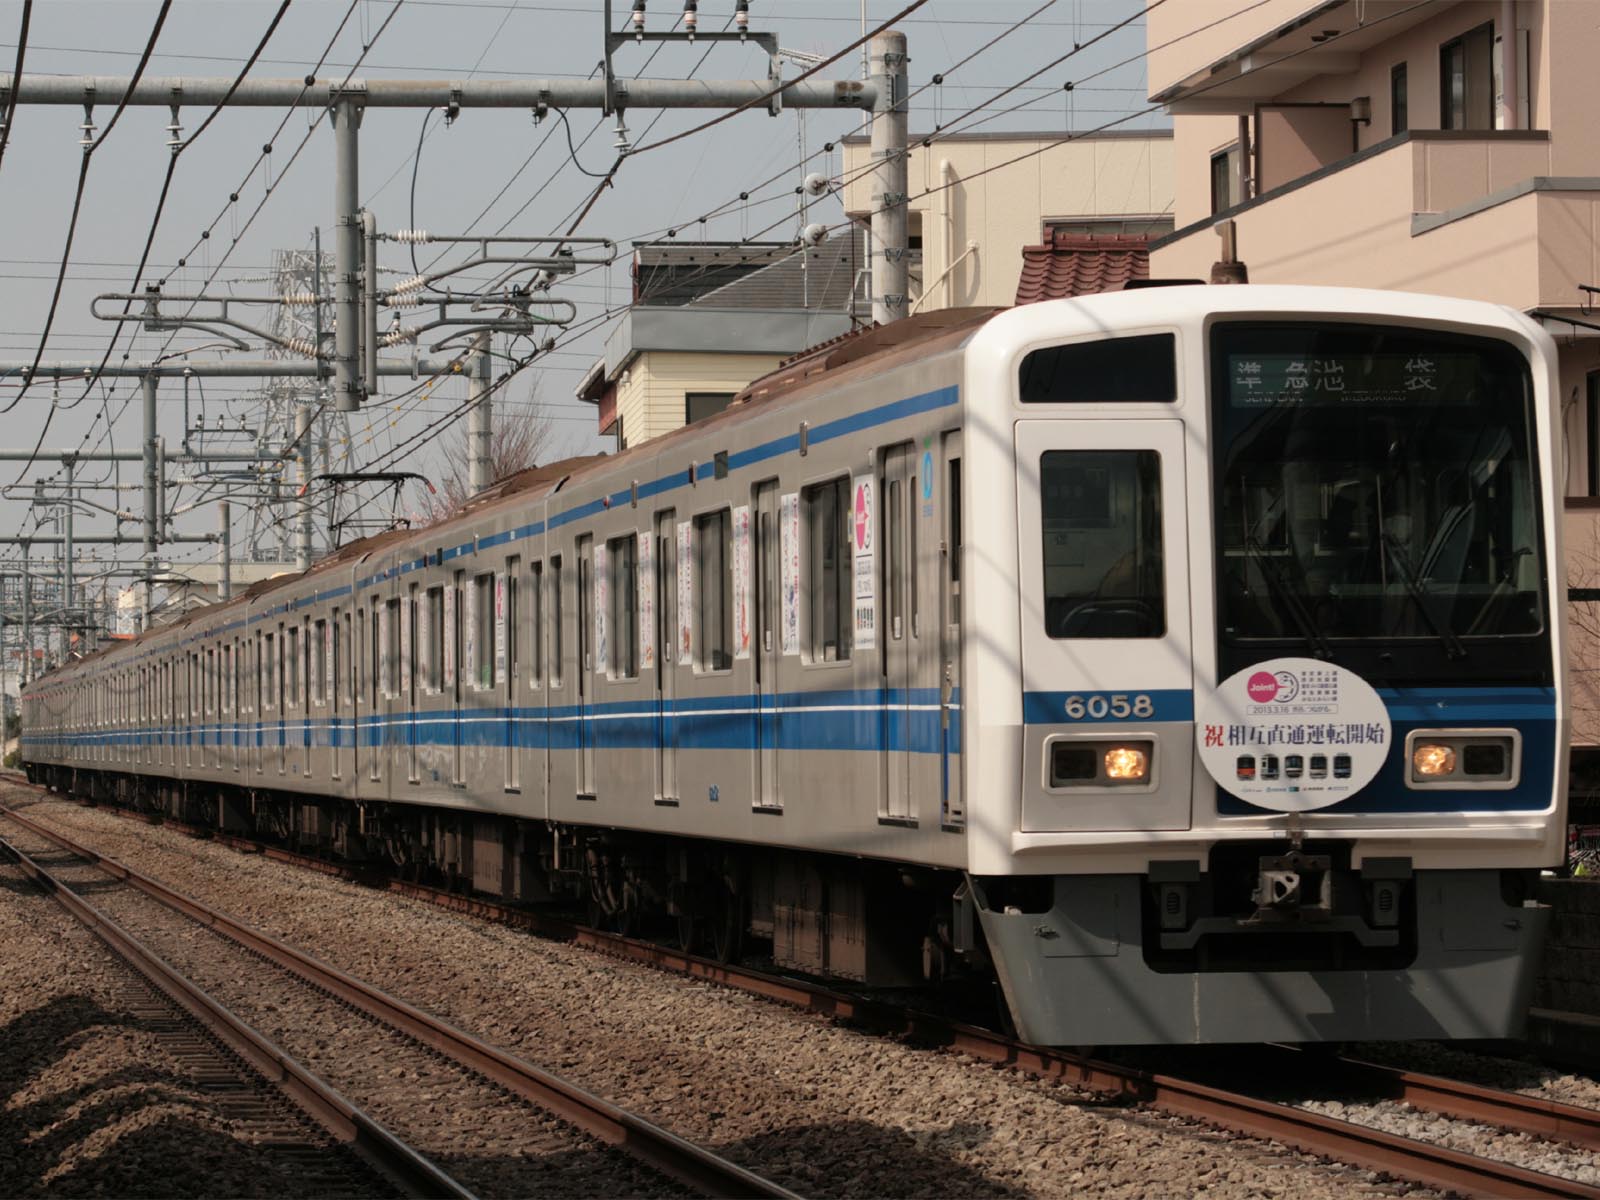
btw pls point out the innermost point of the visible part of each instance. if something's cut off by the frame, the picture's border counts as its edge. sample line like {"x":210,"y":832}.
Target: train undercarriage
{"x":869,"y":922}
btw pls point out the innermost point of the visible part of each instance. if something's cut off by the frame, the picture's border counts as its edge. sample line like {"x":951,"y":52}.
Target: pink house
{"x":1429,"y":147}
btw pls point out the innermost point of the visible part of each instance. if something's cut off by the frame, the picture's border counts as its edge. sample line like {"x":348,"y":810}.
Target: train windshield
{"x":1377,"y":501}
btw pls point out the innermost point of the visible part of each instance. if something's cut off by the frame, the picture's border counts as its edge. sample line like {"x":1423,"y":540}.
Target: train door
{"x":953,"y":807}
{"x":1106,"y":648}
{"x":767,"y":791}
{"x":586,"y":664}
{"x":897,"y":573}
{"x":667,"y":654}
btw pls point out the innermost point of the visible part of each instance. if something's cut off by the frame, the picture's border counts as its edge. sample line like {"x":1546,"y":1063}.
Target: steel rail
{"x":690,"y":1164}
{"x":415,"y":1174}
{"x":1418,"y":1161}
{"x":1534,"y":1115}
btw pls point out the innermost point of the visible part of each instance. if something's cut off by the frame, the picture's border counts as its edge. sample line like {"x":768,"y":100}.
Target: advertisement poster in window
{"x":469,"y":654}
{"x":789,"y":532}
{"x":450,"y":636}
{"x":381,"y":612}
{"x":741,"y":581}
{"x":602,"y":591}
{"x":647,"y":602}
{"x":500,"y":629}
{"x":327,"y":658}
{"x":862,"y":518}
{"x":405,"y":649}
{"x":685,"y":591}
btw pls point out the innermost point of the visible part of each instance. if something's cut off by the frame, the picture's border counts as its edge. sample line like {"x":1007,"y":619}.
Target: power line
{"x":16,"y":73}
{"x":91,"y":144}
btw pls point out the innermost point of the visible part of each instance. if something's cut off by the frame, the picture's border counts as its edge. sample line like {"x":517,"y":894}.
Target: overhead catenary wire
{"x":10,"y":113}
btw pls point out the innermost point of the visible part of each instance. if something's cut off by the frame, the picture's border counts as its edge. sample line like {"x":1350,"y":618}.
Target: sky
{"x":488,"y":171}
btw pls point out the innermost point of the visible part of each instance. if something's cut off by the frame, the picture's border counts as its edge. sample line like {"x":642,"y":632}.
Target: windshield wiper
{"x":1452,"y":644}
{"x":1289,"y":598}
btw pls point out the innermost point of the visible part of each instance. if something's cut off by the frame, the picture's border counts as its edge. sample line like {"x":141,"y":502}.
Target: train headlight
{"x":1432,"y":760}
{"x":1127,"y":764}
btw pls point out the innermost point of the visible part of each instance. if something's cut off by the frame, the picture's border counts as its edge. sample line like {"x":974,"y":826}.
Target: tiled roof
{"x":1075,"y":264}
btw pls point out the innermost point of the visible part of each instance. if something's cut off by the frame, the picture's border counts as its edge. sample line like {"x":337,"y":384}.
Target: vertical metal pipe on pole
{"x":27,"y":612}
{"x":305,"y":453}
{"x":152,"y":496}
{"x":347,"y":392}
{"x":69,"y":469}
{"x":480,"y":417}
{"x":889,"y":177}
{"x":224,"y":552}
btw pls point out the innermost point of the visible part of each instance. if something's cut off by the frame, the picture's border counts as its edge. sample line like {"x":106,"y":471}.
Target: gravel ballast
{"x":822,"y":1109}
{"x":109,"y":1092}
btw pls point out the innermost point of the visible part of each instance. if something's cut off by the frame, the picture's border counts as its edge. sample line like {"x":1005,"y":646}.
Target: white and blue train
{"x":1189,"y":659}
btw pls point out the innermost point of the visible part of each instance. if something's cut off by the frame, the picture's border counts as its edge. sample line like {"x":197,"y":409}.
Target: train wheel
{"x":727,"y":926}
{"x":685,"y":932}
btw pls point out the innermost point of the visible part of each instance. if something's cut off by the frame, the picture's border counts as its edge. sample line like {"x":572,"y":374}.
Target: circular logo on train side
{"x":1293,"y":734}
{"x":863,"y":516}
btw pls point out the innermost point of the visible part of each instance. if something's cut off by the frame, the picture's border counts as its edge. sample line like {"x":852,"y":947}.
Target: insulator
{"x":409,"y":285}
{"x":741,"y":15}
{"x":300,"y":346}
{"x":300,"y":298}
{"x":691,"y":15}
{"x":409,"y":235}
{"x":405,"y":300}
{"x":638,"y":17}
{"x":396,"y":336}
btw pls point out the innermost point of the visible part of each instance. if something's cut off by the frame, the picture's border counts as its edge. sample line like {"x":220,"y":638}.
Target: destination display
{"x":1268,"y":380}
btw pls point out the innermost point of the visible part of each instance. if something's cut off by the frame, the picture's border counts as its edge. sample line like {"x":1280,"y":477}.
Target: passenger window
{"x":319,"y":664}
{"x":270,"y":670}
{"x":1141,"y":369}
{"x":391,"y":648}
{"x":826,"y":511}
{"x":713,"y":591}
{"x":536,"y":626}
{"x":556,"y":652}
{"x":433,"y":640}
{"x":291,"y":652}
{"x":482,"y":645}
{"x":1101,"y":513}
{"x":623,"y":600}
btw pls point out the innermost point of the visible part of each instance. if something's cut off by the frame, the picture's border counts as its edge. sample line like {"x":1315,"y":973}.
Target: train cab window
{"x":713,"y":591}
{"x":825,"y":508}
{"x":623,"y":599}
{"x":1142,"y":369}
{"x":1102,"y":543}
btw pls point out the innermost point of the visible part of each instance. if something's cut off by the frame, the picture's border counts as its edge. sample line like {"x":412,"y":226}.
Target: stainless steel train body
{"x":900,"y":662}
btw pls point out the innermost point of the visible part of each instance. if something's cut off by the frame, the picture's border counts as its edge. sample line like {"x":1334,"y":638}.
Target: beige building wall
{"x":1003,"y":190}
{"x":650,"y":401}
{"x":1186,"y":36}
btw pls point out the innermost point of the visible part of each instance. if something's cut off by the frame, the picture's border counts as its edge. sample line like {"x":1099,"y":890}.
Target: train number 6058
{"x":1119,"y":706}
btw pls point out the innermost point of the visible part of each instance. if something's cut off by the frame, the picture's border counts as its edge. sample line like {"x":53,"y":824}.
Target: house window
{"x":1466,"y":80}
{"x":697,"y":406}
{"x":623,"y":617}
{"x":713,"y":591}
{"x":1399,"y":120}
{"x":826,"y":508}
{"x":1592,"y":440}
{"x":1224,"y":178}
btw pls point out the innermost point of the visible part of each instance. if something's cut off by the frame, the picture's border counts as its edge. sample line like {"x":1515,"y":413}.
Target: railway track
{"x":1413,"y":1160}
{"x":470,"y":1066}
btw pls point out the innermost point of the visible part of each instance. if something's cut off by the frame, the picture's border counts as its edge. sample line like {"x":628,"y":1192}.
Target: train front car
{"x":1273,"y":646}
